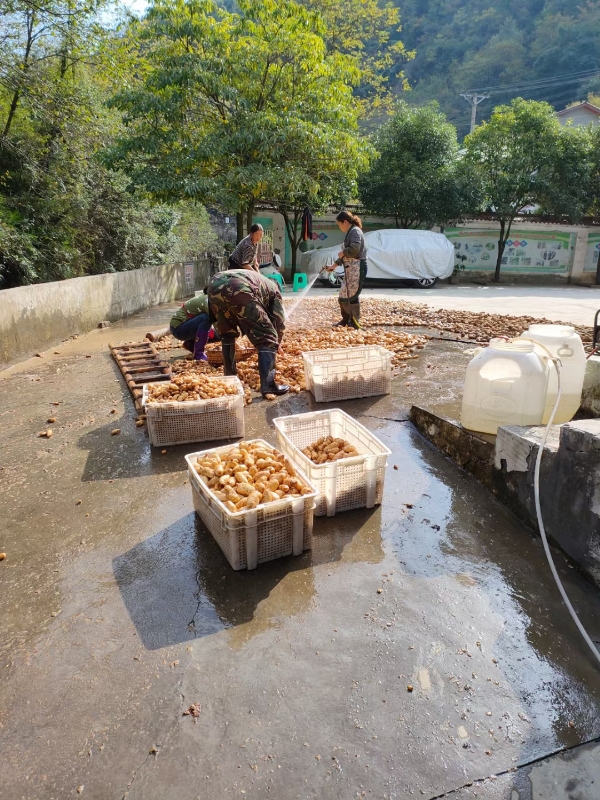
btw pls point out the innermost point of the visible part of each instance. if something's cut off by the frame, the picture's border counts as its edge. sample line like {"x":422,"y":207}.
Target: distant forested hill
{"x":476,"y":44}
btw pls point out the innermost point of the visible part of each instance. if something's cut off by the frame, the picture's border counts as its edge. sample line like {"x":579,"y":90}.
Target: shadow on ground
{"x":177,"y":585}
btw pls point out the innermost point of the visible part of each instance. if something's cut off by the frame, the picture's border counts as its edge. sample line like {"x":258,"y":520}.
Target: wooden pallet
{"x":140,"y":363}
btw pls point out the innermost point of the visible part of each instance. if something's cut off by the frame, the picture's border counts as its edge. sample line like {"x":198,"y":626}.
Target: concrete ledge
{"x":469,"y":450}
{"x":33,"y":318}
{"x":569,"y":476}
{"x":590,"y":398}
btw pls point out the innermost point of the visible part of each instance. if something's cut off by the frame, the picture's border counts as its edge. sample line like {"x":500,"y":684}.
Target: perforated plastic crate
{"x":195,"y":420}
{"x":348,"y":373}
{"x":355,"y":482}
{"x":247,"y":538}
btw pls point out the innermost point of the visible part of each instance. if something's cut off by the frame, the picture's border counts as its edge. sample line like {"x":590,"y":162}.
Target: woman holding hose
{"x":353,"y":256}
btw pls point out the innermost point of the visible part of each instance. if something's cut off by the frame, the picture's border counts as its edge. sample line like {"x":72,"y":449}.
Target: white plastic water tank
{"x":564,"y":343}
{"x":505,"y":384}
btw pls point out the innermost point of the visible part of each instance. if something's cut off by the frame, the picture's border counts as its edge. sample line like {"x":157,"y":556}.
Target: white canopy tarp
{"x":394,"y":254}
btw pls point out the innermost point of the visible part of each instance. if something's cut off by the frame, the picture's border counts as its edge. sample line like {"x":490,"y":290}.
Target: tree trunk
{"x":24,"y":68}
{"x":11,"y":112}
{"x":501,"y":245}
{"x":240,"y":226}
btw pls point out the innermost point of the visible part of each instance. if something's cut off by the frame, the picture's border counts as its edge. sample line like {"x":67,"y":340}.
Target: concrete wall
{"x":569,"y":476}
{"x":36,"y":317}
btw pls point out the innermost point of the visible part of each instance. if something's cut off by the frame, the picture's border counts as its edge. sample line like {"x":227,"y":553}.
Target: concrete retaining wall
{"x":569,"y":476}
{"x":33,"y":318}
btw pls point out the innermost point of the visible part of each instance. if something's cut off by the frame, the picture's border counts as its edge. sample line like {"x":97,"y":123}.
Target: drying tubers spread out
{"x":328,"y":449}
{"x":248,"y":475}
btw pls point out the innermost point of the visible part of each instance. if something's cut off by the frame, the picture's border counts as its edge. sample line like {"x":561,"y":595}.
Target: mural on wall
{"x":592,"y":253}
{"x":526,"y":251}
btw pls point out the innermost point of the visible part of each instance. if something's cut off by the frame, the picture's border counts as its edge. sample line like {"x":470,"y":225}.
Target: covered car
{"x":394,"y":255}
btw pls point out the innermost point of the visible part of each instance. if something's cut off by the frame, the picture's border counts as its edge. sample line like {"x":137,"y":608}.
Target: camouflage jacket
{"x":235,"y":285}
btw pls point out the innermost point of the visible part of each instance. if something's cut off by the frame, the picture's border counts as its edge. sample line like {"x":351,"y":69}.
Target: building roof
{"x":585,"y":105}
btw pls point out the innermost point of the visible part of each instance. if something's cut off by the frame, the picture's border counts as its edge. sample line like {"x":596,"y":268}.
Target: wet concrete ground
{"x":120,"y":612}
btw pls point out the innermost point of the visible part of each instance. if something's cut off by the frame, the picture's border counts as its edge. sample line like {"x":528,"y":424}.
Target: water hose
{"x":536,"y":491}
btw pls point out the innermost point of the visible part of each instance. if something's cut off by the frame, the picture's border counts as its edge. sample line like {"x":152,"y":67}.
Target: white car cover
{"x":393,"y":254}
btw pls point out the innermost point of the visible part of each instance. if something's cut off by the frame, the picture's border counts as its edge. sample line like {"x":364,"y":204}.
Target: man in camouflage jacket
{"x":244,"y":300}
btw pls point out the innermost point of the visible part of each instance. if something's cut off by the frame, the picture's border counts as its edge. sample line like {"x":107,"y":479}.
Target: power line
{"x":557,"y":80}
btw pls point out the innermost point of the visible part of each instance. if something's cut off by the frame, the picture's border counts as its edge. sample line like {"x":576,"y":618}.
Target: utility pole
{"x":473,"y":100}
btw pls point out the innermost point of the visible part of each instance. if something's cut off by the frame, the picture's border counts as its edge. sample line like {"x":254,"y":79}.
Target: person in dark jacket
{"x":191,"y":325}
{"x":245,"y":255}
{"x":353,"y":256}
{"x":245,"y":300}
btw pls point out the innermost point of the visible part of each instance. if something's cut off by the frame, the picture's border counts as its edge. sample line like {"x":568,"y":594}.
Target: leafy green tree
{"x":232,"y":103}
{"x":515,"y":155}
{"x":418,"y":177}
{"x":320,"y":170}
{"x":62,"y":214}
{"x":568,"y":192}
{"x":194,"y":232}
{"x":366,"y":31}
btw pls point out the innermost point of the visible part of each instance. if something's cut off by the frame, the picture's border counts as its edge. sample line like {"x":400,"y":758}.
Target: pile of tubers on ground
{"x":327,"y":449}
{"x":309,"y":328}
{"x":188,"y":386}
{"x":467,"y":325}
{"x":248,"y":475}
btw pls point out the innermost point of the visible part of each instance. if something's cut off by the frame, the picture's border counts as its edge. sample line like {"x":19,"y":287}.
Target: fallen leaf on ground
{"x":193,"y":711}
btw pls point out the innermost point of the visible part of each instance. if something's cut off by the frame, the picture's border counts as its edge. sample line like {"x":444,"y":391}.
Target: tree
{"x":63,"y":214}
{"x":567,"y":192}
{"x":228,"y":101}
{"x":319,"y":171}
{"x":418,"y":177}
{"x":515,"y":155}
{"x":194,"y":232}
{"x":366,"y":31}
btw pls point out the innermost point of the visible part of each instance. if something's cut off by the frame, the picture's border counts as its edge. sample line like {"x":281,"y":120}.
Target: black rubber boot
{"x":229,"y":365}
{"x":266,"y":369}
{"x":345,"y":320}
{"x":354,"y":316}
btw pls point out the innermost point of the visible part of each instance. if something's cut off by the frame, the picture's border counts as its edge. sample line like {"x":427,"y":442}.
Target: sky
{"x":137,"y":6}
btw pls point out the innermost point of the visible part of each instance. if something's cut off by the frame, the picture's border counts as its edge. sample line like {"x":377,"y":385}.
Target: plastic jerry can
{"x":563,"y":343}
{"x":505,"y":384}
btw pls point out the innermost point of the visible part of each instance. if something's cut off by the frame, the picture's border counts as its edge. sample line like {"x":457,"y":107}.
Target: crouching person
{"x":191,"y":325}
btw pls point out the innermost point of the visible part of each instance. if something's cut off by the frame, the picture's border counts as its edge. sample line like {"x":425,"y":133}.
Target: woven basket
{"x":215,"y":357}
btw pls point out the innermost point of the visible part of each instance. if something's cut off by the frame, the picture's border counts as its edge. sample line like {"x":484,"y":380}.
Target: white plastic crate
{"x":195,"y":420}
{"x":355,"y":482}
{"x":247,"y":538}
{"x":348,"y":373}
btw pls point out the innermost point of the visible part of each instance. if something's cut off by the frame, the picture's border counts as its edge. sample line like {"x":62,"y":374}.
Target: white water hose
{"x":536,"y":490}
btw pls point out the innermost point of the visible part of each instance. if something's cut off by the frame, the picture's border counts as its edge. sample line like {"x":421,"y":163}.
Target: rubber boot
{"x":188,"y":345}
{"x":229,"y":365}
{"x":354,"y":316}
{"x":266,"y":369}
{"x":345,"y":320}
{"x":199,"y":345}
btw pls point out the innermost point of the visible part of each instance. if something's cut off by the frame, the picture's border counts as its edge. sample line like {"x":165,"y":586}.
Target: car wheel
{"x":426,"y":283}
